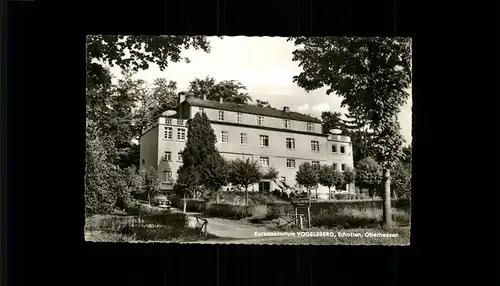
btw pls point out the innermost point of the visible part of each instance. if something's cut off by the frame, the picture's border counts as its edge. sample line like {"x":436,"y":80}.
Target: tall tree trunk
{"x":246,"y":195}
{"x":218,"y":196}
{"x":316,"y":192}
{"x":149,"y":199}
{"x":184,"y":203}
{"x":329,"y":193}
{"x":387,"y":213}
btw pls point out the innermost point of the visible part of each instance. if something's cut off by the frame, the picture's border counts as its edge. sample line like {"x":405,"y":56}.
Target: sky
{"x":264,"y":65}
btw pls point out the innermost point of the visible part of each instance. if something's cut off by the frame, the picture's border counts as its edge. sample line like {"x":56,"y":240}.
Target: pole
{"x":309,"y":216}
{"x":301,"y":223}
{"x":296,"y":218}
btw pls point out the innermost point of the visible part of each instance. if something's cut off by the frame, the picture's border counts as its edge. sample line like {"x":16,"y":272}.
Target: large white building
{"x":279,"y":138}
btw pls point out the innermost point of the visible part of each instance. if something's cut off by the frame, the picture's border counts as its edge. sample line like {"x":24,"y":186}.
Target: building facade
{"x":275,"y":138}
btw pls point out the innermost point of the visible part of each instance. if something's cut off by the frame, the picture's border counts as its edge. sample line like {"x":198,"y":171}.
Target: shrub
{"x":275,"y":210}
{"x":344,"y":220}
{"x":177,"y":220}
{"x":402,"y":218}
{"x":355,"y":218}
{"x":229,"y":211}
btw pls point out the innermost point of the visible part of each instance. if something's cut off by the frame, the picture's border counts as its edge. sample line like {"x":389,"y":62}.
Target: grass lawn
{"x":342,"y":237}
{"x":162,"y":226}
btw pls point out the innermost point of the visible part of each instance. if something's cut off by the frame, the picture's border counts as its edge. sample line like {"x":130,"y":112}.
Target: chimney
{"x":204,"y":97}
{"x":286,"y":109}
{"x":182,"y":97}
{"x":220,"y":99}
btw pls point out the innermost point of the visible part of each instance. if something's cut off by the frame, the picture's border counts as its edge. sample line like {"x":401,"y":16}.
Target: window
{"x":342,"y":149}
{"x":334,"y":148}
{"x":181,"y":134}
{"x":243,"y":139}
{"x":290,"y":143}
{"x":290,"y":163}
{"x":168,"y":156}
{"x":143,"y":161}
{"x":167,"y":176}
{"x":310,"y":127}
{"x":225,"y":137}
{"x":221,"y":115}
{"x":315,"y":164}
{"x":264,"y":141}
{"x":286,"y":123}
{"x":168,"y":133}
{"x":179,"y":156}
{"x":315,"y":145}
{"x":343,"y":167}
{"x":260,"y":120}
{"x":202,"y":109}
{"x":168,"y":120}
{"x":239,"y":117}
{"x":264,"y":161}
{"x":334,"y":166}
{"x":180,"y":121}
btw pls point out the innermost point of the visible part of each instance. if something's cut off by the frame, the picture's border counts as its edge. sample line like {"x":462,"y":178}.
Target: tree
{"x":307,"y":176}
{"x":244,"y":173}
{"x":229,"y":90}
{"x":214,"y":173}
{"x":271,"y":174}
{"x":401,"y":180}
{"x":133,"y":183}
{"x":407,"y":155}
{"x":373,"y":76}
{"x":349,"y":176}
{"x":327,"y":178}
{"x":99,"y":198}
{"x":261,"y":103}
{"x":368,"y":175}
{"x":136,"y":52}
{"x":151,"y":179}
{"x":200,"y":146}
{"x":154,"y":101}
{"x":332,"y":120}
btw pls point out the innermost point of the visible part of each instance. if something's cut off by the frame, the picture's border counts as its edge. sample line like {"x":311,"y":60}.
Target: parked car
{"x":162,"y":202}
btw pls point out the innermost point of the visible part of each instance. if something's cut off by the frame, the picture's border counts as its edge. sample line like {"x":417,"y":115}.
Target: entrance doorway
{"x":264,"y":186}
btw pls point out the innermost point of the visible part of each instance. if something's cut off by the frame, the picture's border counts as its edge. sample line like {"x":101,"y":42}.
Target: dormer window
{"x":239,"y":117}
{"x":168,"y":120}
{"x":260,"y":120}
{"x":286,"y":123}
{"x":310,"y":127}
{"x":221,"y":115}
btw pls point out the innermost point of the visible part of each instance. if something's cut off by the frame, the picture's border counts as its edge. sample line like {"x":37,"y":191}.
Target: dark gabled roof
{"x":251,"y":109}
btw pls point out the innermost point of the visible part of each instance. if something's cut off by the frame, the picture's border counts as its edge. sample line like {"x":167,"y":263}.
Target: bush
{"x":333,"y":206}
{"x":354,"y":218}
{"x":236,"y":212}
{"x":177,"y":220}
{"x":402,"y":218}
{"x":275,"y":210}
{"x":344,"y":220}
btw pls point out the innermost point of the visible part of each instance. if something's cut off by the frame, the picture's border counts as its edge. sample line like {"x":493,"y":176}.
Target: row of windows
{"x":289,"y":142}
{"x":179,"y":121}
{"x":168,"y":156}
{"x":259,"y":120}
{"x":290,"y":163}
{"x":264,"y":161}
{"x":169,"y":133}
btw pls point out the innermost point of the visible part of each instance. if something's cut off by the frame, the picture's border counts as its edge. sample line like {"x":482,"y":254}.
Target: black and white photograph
{"x":248,"y":140}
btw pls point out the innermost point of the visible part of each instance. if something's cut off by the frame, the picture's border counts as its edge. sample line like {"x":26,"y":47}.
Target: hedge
{"x":275,"y":210}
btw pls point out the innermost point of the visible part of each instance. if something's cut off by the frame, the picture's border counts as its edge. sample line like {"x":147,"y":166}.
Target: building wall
{"x":154,"y":144}
{"x":149,"y":148}
{"x":174,"y":146}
